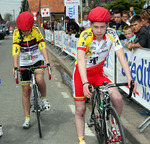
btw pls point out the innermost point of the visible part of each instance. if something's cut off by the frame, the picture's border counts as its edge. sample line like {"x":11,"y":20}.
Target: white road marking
{"x":88,"y":131}
{"x":72,"y":107}
{"x":65,"y":95}
{"x":59,"y":84}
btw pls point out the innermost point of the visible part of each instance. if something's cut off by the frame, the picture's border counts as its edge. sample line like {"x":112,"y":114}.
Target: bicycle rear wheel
{"x":114,"y":129}
{"x":37,"y":109}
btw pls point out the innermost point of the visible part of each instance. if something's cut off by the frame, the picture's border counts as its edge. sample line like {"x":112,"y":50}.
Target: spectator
{"x":118,"y":24}
{"x":129,"y":34}
{"x":145,"y":16}
{"x":55,"y":25}
{"x":1,"y":130}
{"x":85,"y":23}
{"x":125,"y":17}
{"x":45,"y":24}
{"x":130,"y":15}
{"x":72,"y":30}
{"x":142,"y":34}
{"x":132,"y":10}
{"x":80,"y":30}
{"x":70,"y":22}
{"x":111,"y":16}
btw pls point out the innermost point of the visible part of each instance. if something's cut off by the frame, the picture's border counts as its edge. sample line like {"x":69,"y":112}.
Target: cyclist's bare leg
{"x":39,"y":74}
{"x":116,"y":99}
{"x":80,"y":108}
{"x":26,"y":90}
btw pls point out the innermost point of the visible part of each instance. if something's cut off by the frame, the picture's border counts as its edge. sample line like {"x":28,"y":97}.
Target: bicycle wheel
{"x":37,"y":109}
{"x":99,"y":121}
{"x":114,"y":129}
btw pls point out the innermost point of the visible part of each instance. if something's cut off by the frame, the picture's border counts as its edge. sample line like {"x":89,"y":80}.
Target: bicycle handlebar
{"x":106,"y":85}
{"x":30,"y":69}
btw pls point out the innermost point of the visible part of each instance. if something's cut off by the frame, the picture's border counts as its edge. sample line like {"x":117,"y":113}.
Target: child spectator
{"x":142,"y":34}
{"x":130,"y":15}
{"x":145,"y":16}
{"x":72,"y":30}
{"x":80,"y":30}
{"x":129,"y":34}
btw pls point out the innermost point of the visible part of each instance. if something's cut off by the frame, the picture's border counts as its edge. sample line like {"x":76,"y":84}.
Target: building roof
{"x":56,"y":6}
{"x":34,"y":5}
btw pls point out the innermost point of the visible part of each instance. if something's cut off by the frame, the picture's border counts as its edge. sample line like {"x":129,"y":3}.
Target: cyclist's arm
{"x":82,"y":70}
{"x":45,"y":54}
{"x":121,"y":56}
{"x":15,"y":48}
{"x":41,"y":44}
{"x":82,"y":65}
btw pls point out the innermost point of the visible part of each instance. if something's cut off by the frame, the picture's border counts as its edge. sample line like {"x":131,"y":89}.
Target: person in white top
{"x":85,"y":23}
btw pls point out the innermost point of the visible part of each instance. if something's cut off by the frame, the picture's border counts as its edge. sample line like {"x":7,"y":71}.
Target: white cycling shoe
{"x":46,"y":104}
{"x":83,"y":143}
{"x":26,"y":124}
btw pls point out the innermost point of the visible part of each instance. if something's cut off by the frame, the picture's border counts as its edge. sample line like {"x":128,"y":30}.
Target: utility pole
{"x":81,"y":9}
{"x":13,"y":14}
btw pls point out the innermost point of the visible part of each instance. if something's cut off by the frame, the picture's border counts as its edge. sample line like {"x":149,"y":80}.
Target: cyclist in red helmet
{"x":93,"y":47}
{"x":29,"y":49}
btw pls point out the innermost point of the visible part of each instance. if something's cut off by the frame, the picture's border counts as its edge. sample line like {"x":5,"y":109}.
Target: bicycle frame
{"x":35,"y":93}
{"x":101,"y":121}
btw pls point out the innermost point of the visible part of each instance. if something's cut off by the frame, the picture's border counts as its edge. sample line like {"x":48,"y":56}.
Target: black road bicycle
{"x":35,"y":92}
{"x":104,"y":117}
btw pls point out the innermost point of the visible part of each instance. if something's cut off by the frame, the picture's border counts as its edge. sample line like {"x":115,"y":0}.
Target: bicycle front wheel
{"x":37,"y":109}
{"x":99,"y":121}
{"x":114,"y":129}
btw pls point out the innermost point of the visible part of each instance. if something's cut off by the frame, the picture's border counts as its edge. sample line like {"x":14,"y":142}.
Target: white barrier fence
{"x":138,"y":59}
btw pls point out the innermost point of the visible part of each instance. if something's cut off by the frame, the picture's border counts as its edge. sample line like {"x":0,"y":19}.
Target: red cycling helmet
{"x":99,"y":14}
{"x":25,"y":21}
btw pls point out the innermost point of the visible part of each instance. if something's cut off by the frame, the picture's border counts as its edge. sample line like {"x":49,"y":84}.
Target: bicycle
{"x":35,"y":92}
{"x":104,"y":117}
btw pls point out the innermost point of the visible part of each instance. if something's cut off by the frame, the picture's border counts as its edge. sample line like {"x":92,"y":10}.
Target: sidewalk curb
{"x":131,"y":132}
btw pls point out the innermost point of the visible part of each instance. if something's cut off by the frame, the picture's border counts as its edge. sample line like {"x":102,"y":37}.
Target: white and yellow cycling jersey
{"x":96,"y":51}
{"x":29,"y":48}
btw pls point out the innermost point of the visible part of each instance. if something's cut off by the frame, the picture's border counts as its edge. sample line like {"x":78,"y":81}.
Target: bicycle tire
{"x":98,"y":121}
{"x":37,"y":110}
{"x":117,"y":134}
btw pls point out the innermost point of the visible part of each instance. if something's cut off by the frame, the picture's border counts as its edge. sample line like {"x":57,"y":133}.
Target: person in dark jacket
{"x":118,"y":24}
{"x":70,"y":22}
{"x":142,"y":34}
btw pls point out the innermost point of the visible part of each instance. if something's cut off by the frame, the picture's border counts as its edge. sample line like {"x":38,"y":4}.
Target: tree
{"x":23,"y":6}
{"x":126,"y":4}
{"x":8,"y":17}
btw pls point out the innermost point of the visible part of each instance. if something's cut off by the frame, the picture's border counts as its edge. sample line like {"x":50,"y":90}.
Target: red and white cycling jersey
{"x":96,"y":51}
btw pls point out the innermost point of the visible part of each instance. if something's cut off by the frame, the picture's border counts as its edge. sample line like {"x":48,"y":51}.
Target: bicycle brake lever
{"x":90,"y":88}
{"x":131,"y":89}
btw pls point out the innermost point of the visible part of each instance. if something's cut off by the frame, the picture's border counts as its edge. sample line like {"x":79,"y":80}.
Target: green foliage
{"x":23,"y":6}
{"x":126,"y":4}
{"x":8,"y":17}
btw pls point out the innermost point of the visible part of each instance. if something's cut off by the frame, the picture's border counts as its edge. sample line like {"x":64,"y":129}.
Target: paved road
{"x":131,"y":117}
{"x":57,"y":124}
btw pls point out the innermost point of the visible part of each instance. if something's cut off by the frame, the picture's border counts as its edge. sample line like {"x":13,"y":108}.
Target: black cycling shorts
{"x":25,"y":76}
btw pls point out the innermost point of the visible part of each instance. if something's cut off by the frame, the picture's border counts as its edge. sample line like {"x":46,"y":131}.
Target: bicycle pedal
{"x":90,"y":123}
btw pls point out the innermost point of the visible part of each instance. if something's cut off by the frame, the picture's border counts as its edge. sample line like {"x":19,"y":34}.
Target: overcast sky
{"x":7,"y":6}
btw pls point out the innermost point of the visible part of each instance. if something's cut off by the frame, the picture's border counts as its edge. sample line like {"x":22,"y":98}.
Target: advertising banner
{"x":72,"y":11}
{"x":58,"y":38}
{"x":76,"y":2}
{"x":45,"y":12}
{"x":70,"y":45}
{"x":139,"y":63}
